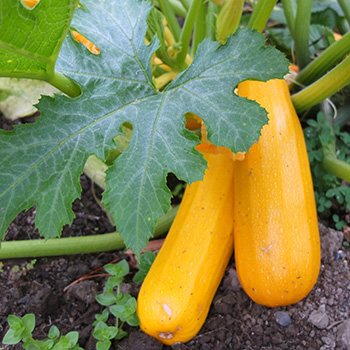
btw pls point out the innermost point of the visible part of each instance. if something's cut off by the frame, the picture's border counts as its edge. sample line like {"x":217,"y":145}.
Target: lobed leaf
{"x":41,"y":164}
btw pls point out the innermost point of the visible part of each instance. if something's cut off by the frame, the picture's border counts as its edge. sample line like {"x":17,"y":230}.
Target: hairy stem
{"x":290,"y":9}
{"x":199,"y":27}
{"x":345,"y":6}
{"x":324,"y":87}
{"x":335,"y":166}
{"x":301,"y":32}
{"x":76,"y":245}
{"x":328,"y":58}
{"x":211,"y":20}
{"x":178,"y":8}
{"x":64,"y":84}
{"x":261,"y":14}
{"x":169,"y":14}
{"x":330,"y":161}
{"x":186,"y":3}
{"x":186,"y":32}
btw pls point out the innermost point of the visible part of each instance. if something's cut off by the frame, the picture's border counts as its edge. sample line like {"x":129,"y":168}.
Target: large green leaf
{"x":40,"y":164}
{"x":30,"y":39}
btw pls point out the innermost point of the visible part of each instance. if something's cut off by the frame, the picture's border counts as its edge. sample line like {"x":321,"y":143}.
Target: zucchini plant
{"x":150,"y":79}
{"x":134,"y":87}
{"x":41,"y":163}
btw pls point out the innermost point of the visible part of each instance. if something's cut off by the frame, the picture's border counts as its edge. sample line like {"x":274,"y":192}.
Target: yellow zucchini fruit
{"x":277,"y":244}
{"x":176,"y":294}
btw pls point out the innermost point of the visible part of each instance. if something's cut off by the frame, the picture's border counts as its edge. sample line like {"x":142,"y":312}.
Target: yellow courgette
{"x":175,"y":297}
{"x":277,"y":245}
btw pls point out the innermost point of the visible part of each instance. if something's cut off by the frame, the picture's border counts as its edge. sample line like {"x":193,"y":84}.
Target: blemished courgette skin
{"x":176,"y":294}
{"x":277,"y":243}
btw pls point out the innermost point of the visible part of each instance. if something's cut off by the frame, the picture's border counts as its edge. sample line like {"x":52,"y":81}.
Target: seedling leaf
{"x":12,"y":337}
{"x":107,"y":298}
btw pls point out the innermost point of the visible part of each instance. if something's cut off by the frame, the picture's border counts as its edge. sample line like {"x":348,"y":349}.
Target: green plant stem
{"x":199,"y":27}
{"x":186,"y":32}
{"x":301,"y":32}
{"x":58,"y":80}
{"x":261,"y":14}
{"x":335,"y":166}
{"x":178,"y":8}
{"x":176,"y":5}
{"x":290,"y":9}
{"x":64,"y":84}
{"x":169,"y":14}
{"x":343,"y":25}
{"x":76,"y":245}
{"x":159,"y":31}
{"x":328,"y":58}
{"x":324,"y":87}
{"x":212,"y":12}
{"x":330,"y":161}
{"x":345,"y":6}
{"x":186,"y":4}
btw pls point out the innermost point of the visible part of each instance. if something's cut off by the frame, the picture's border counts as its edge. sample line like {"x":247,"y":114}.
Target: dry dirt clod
{"x":84,"y":291}
{"x":343,"y":334}
{"x":319,"y":318}
{"x":331,"y":241}
{"x":231,"y":280}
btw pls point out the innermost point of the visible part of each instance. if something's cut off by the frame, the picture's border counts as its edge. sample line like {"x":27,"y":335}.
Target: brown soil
{"x":320,"y":321}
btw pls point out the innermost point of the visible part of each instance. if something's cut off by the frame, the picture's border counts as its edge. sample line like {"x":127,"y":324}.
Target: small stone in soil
{"x":282,"y":318}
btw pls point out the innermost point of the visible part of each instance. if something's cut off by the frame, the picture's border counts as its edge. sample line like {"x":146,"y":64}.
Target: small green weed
{"x":121,"y":306}
{"x":21,"y":330}
{"x":331,"y":193}
{"x":23,"y":268}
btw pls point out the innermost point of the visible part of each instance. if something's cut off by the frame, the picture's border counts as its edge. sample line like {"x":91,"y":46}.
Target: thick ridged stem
{"x":345,"y":5}
{"x":75,"y":245}
{"x":186,"y":32}
{"x":199,"y":27}
{"x":211,"y":20}
{"x":335,"y":166}
{"x":301,"y":32}
{"x":290,"y":10}
{"x":328,"y":58}
{"x":186,"y":4}
{"x":169,"y":14}
{"x":330,"y":161}
{"x":261,"y":14}
{"x":324,"y":87}
{"x":64,"y":84}
{"x":178,"y":8}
